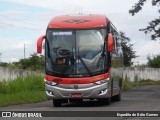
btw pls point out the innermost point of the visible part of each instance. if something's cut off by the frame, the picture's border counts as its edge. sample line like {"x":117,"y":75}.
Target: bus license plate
{"x":76,"y":95}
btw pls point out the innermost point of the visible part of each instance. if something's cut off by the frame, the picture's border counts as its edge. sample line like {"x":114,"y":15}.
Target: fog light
{"x":102,"y":92}
{"x":49,"y":93}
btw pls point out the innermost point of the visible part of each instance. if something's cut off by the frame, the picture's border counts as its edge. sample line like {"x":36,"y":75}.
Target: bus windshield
{"x":75,"y":52}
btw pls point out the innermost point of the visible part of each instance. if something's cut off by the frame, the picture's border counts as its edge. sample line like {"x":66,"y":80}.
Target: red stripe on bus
{"x":85,"y":80}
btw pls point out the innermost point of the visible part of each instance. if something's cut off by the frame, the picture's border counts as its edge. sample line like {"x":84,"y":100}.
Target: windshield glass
{"x":74,"y":52}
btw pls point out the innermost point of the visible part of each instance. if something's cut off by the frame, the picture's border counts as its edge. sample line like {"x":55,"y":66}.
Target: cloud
{"x":22,"y":44}
{"x":103,"y":6}
{"x":14,"y":48}
{"x":9,"y":20}
{"x":48,"y":4}
{"x":14,"y":60}
{"x":28,"y":19}
{"x":149,"y":48}
{"x":15,"y":12}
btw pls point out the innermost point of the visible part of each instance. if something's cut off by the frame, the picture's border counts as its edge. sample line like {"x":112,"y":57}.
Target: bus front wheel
{"x":57,"y":103}
{"x":104,"y":101}
{"x":117,"y":97}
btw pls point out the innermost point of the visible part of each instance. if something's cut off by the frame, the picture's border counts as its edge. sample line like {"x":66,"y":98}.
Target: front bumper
{"x":88,"y":91}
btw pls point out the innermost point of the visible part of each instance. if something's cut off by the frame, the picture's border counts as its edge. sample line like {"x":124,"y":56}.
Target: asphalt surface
{"x":142,"y":98}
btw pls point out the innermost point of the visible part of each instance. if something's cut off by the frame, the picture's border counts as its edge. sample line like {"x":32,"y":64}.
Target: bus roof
{"x":78,"y":21}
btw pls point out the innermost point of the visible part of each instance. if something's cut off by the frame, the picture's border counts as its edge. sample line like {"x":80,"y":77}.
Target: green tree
{"x":154,"y":25}
{"x":34,"y":62}
{"x":3,"y":64}
{"x":154,"y":61}
{"x":37,"y":62}
{"x":127,"y":48}
{"x":24,"y":63}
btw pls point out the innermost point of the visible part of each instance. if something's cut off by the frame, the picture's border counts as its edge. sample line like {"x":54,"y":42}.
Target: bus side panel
{"x":116,"y":80}
{"x":117,"y":65}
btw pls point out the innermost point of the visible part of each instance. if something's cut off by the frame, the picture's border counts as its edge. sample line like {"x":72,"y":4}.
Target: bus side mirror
{"x":39,"y":44}
{"x":110,"y":42}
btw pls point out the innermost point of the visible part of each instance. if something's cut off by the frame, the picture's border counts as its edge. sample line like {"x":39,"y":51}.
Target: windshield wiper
{"x":85,"y":66}
{"x":48,"y":48}
{"x":103,"y":51}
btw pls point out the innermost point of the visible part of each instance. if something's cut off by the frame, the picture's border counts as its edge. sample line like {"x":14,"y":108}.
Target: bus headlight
{"x":100,"y":82}
{"x":50,"y":83}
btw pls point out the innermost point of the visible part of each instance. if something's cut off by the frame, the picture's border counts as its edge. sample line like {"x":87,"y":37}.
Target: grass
{"x":27,"y":89}
{"x":127,"y":84}
{"x":22,"y":97}
{"x":31,"y":89}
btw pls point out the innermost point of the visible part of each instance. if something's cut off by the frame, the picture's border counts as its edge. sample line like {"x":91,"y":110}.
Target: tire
{"x":117,"y":97}
{"x":105,"y":101}
{"x":57,"y":103}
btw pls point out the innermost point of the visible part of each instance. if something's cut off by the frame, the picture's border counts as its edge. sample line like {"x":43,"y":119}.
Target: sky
{"x":24,"y":21}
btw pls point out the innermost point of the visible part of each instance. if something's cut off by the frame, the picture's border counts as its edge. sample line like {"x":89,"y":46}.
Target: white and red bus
{"x":83,"y":57}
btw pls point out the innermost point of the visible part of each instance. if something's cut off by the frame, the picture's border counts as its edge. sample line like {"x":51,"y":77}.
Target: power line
{"x":23,"y":27}
{"x":13,"y":25}
{"x":15,"y":19}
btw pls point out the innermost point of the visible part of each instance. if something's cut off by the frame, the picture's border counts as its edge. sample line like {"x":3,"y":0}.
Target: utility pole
{"x":0,"y":56}
{"x":24,"y":51}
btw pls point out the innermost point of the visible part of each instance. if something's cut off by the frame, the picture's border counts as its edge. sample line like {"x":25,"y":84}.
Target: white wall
{"x":131,"y":74}
{"x":134,"y":74}
{"x":10,"y":74}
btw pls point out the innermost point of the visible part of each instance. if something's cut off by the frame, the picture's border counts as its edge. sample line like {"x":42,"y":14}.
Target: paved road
{"x":143,"y":98}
